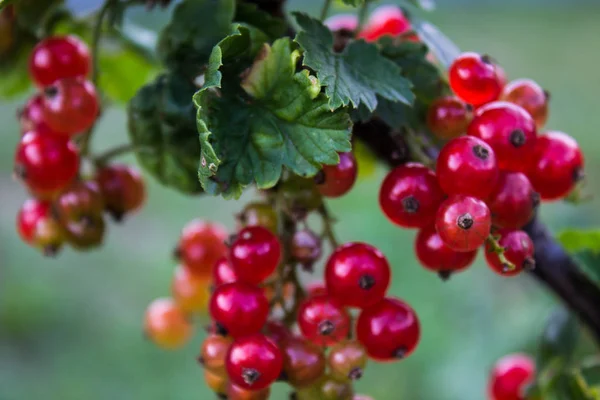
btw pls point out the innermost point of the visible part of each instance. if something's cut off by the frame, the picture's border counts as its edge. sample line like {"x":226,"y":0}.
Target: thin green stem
{"x":117,"y":151}
{"x":362,"y":16}
{"x":495,"y":247}
{"x":328,"y":222}
{"x":415,"y":145}
{"x":325,"y":9}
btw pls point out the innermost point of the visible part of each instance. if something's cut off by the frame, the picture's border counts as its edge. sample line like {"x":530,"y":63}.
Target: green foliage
{"x":162,"y":125}
{"x":427,"y":5}
{"x":274,"y":118}
{"x":354,"y":3}
{"x":249,"y":14}
{"x":442,"y":47}
{"x":559,"y":339}
{"x":576,"y":240}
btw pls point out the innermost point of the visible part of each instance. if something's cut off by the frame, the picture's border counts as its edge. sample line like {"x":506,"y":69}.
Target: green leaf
{"x":4,"y":3}
{"x":354,"y":3}
{"x":357,"y":75}
{"x":444,"y":49}
{"x":427,"y":5}
{"x":14,"y":77}
{"x":559,"y":339}
{"x":195,"y":28}
{"x":162,"y":124}
{"x":250,"y":14}
{"x":576,"y":240}
{"x":277,"y":118}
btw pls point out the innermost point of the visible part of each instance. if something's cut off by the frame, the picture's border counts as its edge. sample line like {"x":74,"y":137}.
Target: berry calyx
{"x":513,"y":201}
{"x":255,"y":254}
{"x":201,"y":245}
{"x":166,"y":325}
{"x":189,"y":290}
{"x":259,"y":214}
{"x":448,"y":117}
{"x":254,"y":362}
{"x":463,"y":223}
{"x":123,"y":189}
{"x":323,"y":320}
{"x":347,"y":360}
{"x":518,"y":250}
{"x":303,"y":361}
{"x":476,"y":79}
{"x":223,"y":272}
{"x":337,"y":180}
{"x":214,"y":352}
{"x":59,"y":57}
{"x":510,"y":376}
{"x":71,"y":105}
{"x":385,"y":20}
{"x":529,"y":95}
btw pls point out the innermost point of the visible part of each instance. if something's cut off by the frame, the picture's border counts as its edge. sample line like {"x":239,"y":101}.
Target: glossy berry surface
{"x":510,"y":376}
{"x":123,"y":189}
{"x":86,"y":233}
{"x":347,"y":360}
{"x":45,"y":162}
{"x":82,"y":201}
{"x":240,"y":308}
{"x":467,"y":166}
{"x":513,"y":201}
{"x":31,"y":117}
{"x":463,"y":223}
{"x":59,"y":57}
{"x":346,"y":22}
{"x":529,"y":95}
{"x":389,"y":330}
{"x":410,"y":195}
{"x":337,"y":180}
{"x":476,"y":79}
{"x":166,"y":325}
{"x":37,"y":227}
{"x":434,"y":255}
{"x":235,"y":392}
{"x":254,"y":362}
{"x":385,"y":20}
{"x":255,"y":254}
{"x":259,"y":214}
{"x":303,"y":361}
{"x":71,"y":105}
{"x":189,"y":291}
{"x":357,"y":275}
{"x":509,"y":130}
{"x":214,"y":352}
{"x":557,"y":165}
{"x":216,"y":383}
{"x":448,"y":117}
{"x":200,"y":246}
{"x":518,"y":249}
{"x":223,"y":272}
{"x":323,"y":320}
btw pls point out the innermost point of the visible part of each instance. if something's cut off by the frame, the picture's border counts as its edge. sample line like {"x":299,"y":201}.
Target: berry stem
{"x":362,"y":17}
{"x":103,"y":158}
{"x":499,"y":250}
{"x":417,"y":147}
{"x":328,"y":222}
{"x":325,"y":10}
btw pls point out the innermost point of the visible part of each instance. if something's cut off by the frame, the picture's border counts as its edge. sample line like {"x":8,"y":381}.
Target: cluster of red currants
{"x":510,"y":377}
{"x":64,"y":206}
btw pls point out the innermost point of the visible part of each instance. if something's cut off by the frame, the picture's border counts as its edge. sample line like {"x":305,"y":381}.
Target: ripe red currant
{"x":509,"y":130}
{"x":254,"y":362}
{"x":71,"y":105}
{"x":467,"y":165}
{"x":259,"y":214}
{"x":323,"y":320}
{"x":357,"y":275}
{"x":255,"y":254}
{"x":123,"y":189}
{"x":59,"y":57}
{"x":463,"y":223}
{"x":385,"y":20}
{"x":235,"y":392}
{"x":410,"y":195}
{"x":201,"y":245}
{"x":557,"y":165}
{"x":82,"y":201}
{"x":389,"y":330}
{"x":337,"y":180}
{"x":448,"y":117}
{"x":303,"y":361}
{"x":214,"y":352}
{"x":339,"y":22}
{"x":434,"y":255}
{"x":31,"y":117}
{"x":45,"y":162}
{"x":529,"y":95}
{"x":216,"y":383}
{"x":518,"y":249}
{"x":166,"y":325}
{"x":327,"y":388}
{"x":306,"y":247}
{"x":509,"y":377}
{"x":513,"y":201}
{"x":241,"y":309}
{"x":347,"y":360}
{"x":316,"y":289}
{"x":476,"y":79}
{"x":38,"y":227}
{"x":189,"y":290}
{"x":223,"y":272}
{"x":277,"y":331}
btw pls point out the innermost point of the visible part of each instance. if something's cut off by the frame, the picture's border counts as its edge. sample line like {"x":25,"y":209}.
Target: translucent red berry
{"x":385,"y":20}
{"x":463,"y":223}
{"x":323,"y":320}
{"x":513,"y":201}
{"x":410,"y":195}
{"x":71,"y":105}
{"x":557,"y":165}
{"x":31,"y":117}
{"x":235,"y":392}
{"x":346,"y":22}
{"x":448,"y":117}
{"x":214,"y":352}
{"x":200,"y":246}
{"x":277,"y":331}
{"x":303,"y":361}
{"x":347,"y":360}
{"x":59,"y":57}
{"x":467,"y":166}
{"x":189,"y":291}
{"x":434,"y":255}
{"x":476,"y":79}
{"x":223,"y":272}
{"x":389,"y":330}
{"x":357,"y":275}
{"x":166,"y":325}
{"x":337,"y":180}
{"x":123,"y":189}
{"x":87,"y":233}
{"x":518,"y":249}
{"x":216,"y":383}
{"x":241,"y":309}
{"x":38,"y":227}
{"x":509,"y":130}
{"x":255,"y":254}
{"x":529,"y":95}
{"x":254,"y":362}
{"x":316,"y":289}
{"x":510,"y":376}
{"x":82,"y":200}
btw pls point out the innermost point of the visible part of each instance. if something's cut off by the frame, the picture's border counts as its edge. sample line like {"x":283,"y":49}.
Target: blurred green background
{"x":70,"y":327}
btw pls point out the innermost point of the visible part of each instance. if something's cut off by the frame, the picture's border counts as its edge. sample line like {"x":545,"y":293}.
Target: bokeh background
{"x":71,"y":327}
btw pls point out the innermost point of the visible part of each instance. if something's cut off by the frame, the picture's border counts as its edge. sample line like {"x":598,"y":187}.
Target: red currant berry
{"x":518,"y":249}
{"x":166,"y":325}
{"x":71,"y":105}
{"x":337,"y":180}
{"x":255,"y":254}
{"x":254,"y":362}
{"x":82,"y":201}
{"x":189,"y":291}
{"x":389,"y":330}
{"x":223,"y":272}
{"x":303,"y":361}
{"x":347,"y":360}
{"x":463,"y":223}
{"x":45,"y":162}
{"x":216,"y":383}
{"x":59,"y":57}
{"x":259,"y":214}
{"x":214,"y":352}
{"x":277,"y":331}
{"x":123,"y":189}
{"x":529,"y":95}
{"x":410,"y":195}
{"x":306,"y":247}
{"x":37,"y":226}
{"x":509,"y":130}
{"x":342,"y":22}
{"x":448,"y":117}
{"x":86,"y":233}
{"x":467,"y":165}
{"x":31,"y":117}
{"x":513,"y":201}
{"x":201,"y":245}
{"x":510,"y":376}
{"x":235,"y":392}
{"x":316,"y":289}
{"x":239,"y":308}
{"x":476,"y":79}
{"x":385,"y":20}
{"x":323,"y":320}
{"x":557,"y":165}
{"x":357,"y":275}
{"x":434,"y":255}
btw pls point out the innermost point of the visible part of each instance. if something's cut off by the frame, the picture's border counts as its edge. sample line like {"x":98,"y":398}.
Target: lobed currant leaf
{"x":558,"y":340}
{"x":355,"y":76}
{"x":443,"y":48}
